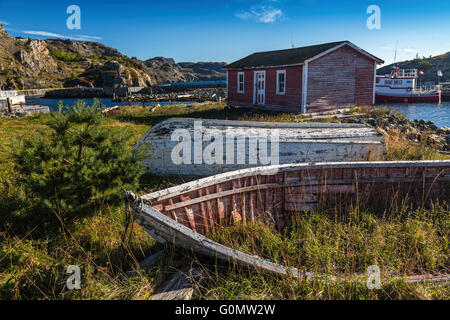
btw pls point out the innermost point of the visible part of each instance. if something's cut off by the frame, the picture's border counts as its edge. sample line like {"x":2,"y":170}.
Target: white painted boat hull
{"x":297,"y":143}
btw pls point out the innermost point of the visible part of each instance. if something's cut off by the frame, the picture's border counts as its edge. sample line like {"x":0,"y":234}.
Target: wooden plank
{"x":203,"y":212}
{"x":243,"y":197}
{"x":220,"y":206}
{"x":181,"y":285}
{"x":172,"y":212}
{"x":189,"y":213}
{"x":210,"y":212}
{"x":259,"y":188}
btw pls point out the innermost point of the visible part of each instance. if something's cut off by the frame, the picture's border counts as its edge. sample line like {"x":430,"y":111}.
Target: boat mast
{"x":395,"y":55}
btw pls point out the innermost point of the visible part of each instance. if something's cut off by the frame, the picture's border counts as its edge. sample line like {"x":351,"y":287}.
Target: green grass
{"x":402,"y":244}
{"x":36,"y":247}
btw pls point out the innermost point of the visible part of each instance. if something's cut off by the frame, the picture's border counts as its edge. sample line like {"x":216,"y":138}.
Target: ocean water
{"x":106,"y":102}
{"x":439,"y":114}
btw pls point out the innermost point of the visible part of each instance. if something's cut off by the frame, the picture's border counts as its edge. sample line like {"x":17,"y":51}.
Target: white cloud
{"x":56,"y":35}
{"x":261,"y":13}
{"x":82,"y":36}
{"x":44,"y":34}
{"x":244,"y":15}
{"x":4,"y":23}
{"x":411,"y":50}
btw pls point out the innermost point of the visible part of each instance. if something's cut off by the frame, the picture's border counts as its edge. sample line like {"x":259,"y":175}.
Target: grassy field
{"x":37,"y":247}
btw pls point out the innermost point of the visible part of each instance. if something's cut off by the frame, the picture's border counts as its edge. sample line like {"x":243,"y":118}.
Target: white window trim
{"x":278,"y":82}
{"x":243,"y":82}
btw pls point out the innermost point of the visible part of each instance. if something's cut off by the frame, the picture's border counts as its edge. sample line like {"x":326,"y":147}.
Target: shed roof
{"x":291,"y":56}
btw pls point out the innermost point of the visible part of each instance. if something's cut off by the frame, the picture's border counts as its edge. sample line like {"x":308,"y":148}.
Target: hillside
{"x":53,"y":63}
{"x":429,"y":66}
{"x":169,"y":71}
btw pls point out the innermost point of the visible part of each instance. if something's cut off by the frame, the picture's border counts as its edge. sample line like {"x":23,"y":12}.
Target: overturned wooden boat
{"x":184,"y":214}
{"x":202,"y":147}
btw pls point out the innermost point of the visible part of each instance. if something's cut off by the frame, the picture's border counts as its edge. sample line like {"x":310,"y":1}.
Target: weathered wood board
{"x":181,"y":285}
{"x":244,"y":144}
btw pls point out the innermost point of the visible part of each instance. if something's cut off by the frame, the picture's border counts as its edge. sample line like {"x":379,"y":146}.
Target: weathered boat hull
{"x":435,"y":97}
{"x":163,"y":229}
{"x":183,"y":214}
{"x":245,"y":144}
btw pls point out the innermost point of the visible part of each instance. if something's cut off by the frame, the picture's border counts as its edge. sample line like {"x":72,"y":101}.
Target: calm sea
{"x":53,"y":103}
{"x":439,"y":114}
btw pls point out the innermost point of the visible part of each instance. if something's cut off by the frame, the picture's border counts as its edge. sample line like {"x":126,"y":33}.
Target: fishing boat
{"x":401,"y":86}
{"x":184,"y":215}
{"x":205,"y":147}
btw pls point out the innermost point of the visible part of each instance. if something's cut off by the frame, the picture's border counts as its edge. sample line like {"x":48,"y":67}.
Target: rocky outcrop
{"x":205,"y":71}
{"x":55,"y":63}
{"x":412,"y":130}
{"x":35,"y":58}
{"x":114,"y":74}
{"x":169,"y":71}
{"x":84,"y":48}
{"x":195,"y":95}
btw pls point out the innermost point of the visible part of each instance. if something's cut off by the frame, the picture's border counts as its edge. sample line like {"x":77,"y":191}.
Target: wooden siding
{"x":343,"y":77}
{"x":290,"y":101}
{"x":364,"y":85}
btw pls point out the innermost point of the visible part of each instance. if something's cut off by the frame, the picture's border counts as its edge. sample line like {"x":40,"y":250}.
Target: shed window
{"x":281,"y":81}
{"x":240,"y":87}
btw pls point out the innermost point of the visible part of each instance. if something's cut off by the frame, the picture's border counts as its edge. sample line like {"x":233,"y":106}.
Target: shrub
{"x":66,"y":57}
{"x":80,"y":163}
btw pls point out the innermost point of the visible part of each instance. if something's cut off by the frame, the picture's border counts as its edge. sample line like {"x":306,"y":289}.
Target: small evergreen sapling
{"x":81,"y":163}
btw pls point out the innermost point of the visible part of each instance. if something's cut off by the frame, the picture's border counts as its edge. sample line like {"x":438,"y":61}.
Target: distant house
{"x":307,"y":79}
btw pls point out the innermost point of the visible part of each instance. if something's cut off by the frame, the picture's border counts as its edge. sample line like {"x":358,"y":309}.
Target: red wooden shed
{"x":308,"y":79}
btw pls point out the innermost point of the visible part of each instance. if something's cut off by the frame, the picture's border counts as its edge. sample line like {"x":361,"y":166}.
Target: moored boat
{"x":401,"y":86}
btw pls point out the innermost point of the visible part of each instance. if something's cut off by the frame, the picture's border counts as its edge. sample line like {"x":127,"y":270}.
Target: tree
{"x":81,"y":163}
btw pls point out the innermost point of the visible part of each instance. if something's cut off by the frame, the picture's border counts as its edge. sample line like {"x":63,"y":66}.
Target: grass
{"x":402,"y":244}
{"x":36,"y":247}
{"x":401,"y":150}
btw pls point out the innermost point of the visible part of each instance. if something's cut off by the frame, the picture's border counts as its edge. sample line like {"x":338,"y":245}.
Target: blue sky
{"x":204,"y":30}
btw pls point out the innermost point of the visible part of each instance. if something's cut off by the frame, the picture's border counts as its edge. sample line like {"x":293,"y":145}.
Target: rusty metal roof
{"x":289,"y":56}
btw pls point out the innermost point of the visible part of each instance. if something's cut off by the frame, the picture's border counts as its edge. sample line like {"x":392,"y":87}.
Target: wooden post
{"x":9,"y":106}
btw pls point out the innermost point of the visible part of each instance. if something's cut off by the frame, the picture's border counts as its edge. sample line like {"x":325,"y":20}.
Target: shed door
{"x":260,"y":87}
